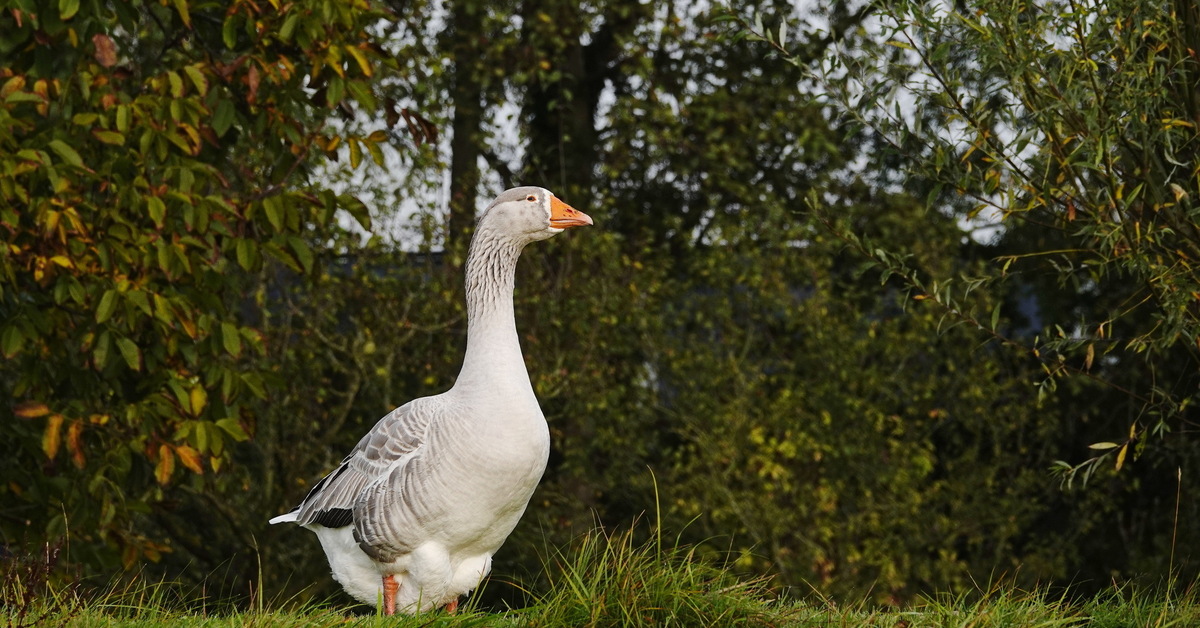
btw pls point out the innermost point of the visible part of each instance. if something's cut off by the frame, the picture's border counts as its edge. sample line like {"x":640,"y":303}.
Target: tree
{"x":1075,"y":130}
{"x":153,"y":157}
{"x":1069,"y":132}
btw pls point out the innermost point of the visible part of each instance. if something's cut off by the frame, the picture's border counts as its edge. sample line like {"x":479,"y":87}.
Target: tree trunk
{"x":466,"y":94}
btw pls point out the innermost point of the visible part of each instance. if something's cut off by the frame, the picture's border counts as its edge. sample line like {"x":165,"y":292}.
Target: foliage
{"x":1073,"y":128}
{"x":820,"y":425}
{"x":154,"y":157}
{"x":723,"y":328}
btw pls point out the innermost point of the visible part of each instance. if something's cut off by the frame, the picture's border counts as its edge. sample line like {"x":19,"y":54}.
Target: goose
{"x":416,"y":511}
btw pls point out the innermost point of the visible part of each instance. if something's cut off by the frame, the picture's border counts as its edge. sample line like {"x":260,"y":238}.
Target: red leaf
{"x":252,"y":82}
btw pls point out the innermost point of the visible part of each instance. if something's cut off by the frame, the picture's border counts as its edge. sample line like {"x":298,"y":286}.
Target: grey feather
{"x":394,"y":438}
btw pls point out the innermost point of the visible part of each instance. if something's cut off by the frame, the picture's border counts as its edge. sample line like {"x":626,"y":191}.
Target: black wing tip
{"x":333,"y":518}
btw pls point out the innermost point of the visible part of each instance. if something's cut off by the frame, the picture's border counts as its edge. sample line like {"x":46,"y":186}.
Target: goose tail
{"x":284,"y":518}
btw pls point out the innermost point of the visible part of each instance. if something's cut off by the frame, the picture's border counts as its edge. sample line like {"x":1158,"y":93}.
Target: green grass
{"x":605,"y":580}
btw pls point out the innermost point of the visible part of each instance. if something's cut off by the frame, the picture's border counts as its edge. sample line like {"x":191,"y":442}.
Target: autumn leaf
{"x":252,"y":80}
{"x":190,"y":458}
{"x":106,"y":50}
{"x":75,"y":444}
{"x":166,"y":464}
{"x":30,"y":409}
{"x":52,"y":437}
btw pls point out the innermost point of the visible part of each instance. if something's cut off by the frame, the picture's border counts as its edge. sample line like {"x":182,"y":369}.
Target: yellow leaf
{"x":190,"y":458}
{"x":1121,"y":456}
{"x":184,"y":14}
{"x":166,"y":464}
{"x":361,"y":59}
{"x":14,"y":84}
{"x":31,"y":409}
{"x":355,"y":153}
{"x":199,"y":399}
{"x":52,"y":437}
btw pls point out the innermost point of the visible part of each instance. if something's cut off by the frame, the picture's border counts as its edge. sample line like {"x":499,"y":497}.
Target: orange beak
{"x":563,"y":215}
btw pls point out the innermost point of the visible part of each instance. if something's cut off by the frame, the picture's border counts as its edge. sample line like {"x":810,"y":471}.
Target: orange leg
{"x":390,"y":586}
{"x":452,"y":606}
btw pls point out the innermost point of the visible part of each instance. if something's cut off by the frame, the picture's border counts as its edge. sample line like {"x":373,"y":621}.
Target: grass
{"x":603,"y":580}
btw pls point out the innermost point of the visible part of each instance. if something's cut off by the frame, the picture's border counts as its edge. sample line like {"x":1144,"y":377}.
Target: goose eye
{"x":531,"y":198}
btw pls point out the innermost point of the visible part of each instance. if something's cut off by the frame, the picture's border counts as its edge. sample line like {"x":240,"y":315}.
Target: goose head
{"x":527,"y":214}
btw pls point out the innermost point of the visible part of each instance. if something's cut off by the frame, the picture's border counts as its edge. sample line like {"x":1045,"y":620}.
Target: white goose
{"x":417,"y":509}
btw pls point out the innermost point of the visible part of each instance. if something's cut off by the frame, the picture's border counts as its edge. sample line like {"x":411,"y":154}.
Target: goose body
{"x":414,"y":514}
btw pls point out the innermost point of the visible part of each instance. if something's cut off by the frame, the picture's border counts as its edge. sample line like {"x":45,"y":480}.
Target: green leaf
{"x":108,"y":305}
{"x":176,"y":84}
{"x":68,"y":8}
{"x":231,"y":339}
{"x":197,"y":77}
{"x":109,"y":137}
{"x":229,"y":31}
{"x":357,"y":209}
{"x":200,"y":436}
{"x":282,"y":255}
{"x":233,"y":428}
{"x":303,"y":253}
{"x":16,"y":97}
{"x":245,"y":254}
{"x":181,"y":394}
{"x":75,"y":289}
{"x":139,"y":298}
{"x":101,"y":350}
{"x":255,"y":384}
{"x":273,"y":207}
{"x":223,"y":117}
{"x":361,"y":91}
{"x":289,"y":26}
{"x":11,"y":341}
{"x":124,"y":113}
{"x":157,"y":210}
{"x":68,"y":154}
{"x":376,"y":153}
{"x":131,"y":353}
{"x":335,"y":92}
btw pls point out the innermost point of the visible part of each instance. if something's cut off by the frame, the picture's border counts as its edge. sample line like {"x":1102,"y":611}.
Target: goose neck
{"x":492,"y":344}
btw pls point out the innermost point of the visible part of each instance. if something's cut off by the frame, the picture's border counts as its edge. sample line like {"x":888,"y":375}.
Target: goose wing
{"x":395,"y":439}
